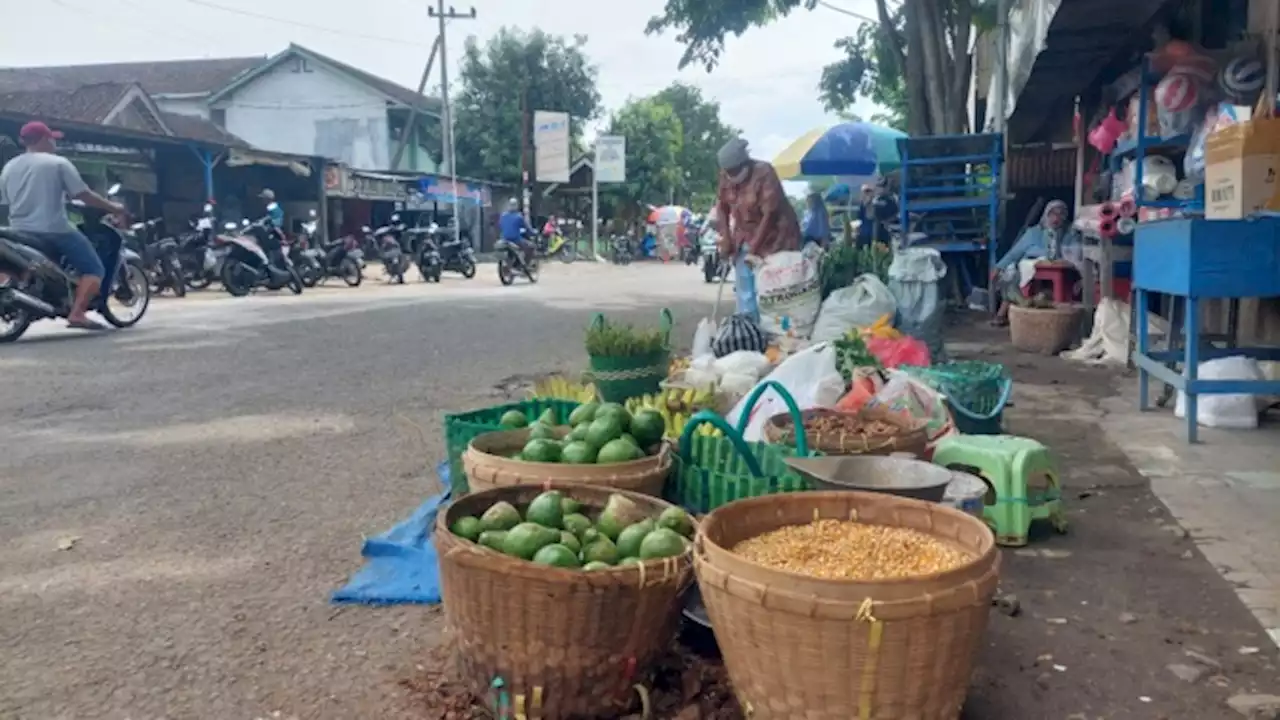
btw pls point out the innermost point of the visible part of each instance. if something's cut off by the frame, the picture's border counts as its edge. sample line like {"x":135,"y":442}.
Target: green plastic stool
{"x":1021,"y":477}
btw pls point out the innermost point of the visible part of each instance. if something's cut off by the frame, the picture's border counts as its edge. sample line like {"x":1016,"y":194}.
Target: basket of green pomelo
{"x":567,"y":592}
{"x":461,"y":428}
{"x":602,"y":444}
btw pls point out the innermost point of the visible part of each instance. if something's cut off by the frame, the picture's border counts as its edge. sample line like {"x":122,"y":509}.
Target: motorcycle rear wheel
{"x":467,"y":268}
{"x":351,"y":273}
{"x":295,"y":282}
{"x":230,"y":281}
{"x":310,"y":275}
{"x":14,"y":323}
{"x":568,"y":254}
{"x":505,"y":273}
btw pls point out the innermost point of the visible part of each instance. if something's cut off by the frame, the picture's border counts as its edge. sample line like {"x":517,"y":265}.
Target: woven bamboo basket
{"x":1047,"y":331}
{"x":488,"y":464}
{"x":799,"y":647}
{"x":911,"y":435}
{"x":565,"y":643}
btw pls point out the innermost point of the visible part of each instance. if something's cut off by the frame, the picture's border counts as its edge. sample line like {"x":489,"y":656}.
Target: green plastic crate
{"x":462,"y":428}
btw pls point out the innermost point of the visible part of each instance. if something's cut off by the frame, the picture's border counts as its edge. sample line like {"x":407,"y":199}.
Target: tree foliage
{"x":704,"y":135}
{"x":503,"y":83}
{"x":914,"y":61}
{"x":655,"y":141}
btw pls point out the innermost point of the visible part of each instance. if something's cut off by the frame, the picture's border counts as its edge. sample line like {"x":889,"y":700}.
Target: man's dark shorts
{"x":76,"y":250}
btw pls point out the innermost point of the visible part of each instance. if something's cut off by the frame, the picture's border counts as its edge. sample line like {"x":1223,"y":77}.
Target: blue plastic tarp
{"x":401,"y":565}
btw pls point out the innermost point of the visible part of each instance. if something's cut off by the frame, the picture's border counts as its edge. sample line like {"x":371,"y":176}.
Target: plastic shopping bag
{"x":910,"y":397}
{"x":895,"y":352}
{"x":915,"y":279}
{"x":789,"y":292}
{"x":702,"y":338}
{"x":860,"y":305}
{"x":1235,"y":412}
{"x":810,"y":376}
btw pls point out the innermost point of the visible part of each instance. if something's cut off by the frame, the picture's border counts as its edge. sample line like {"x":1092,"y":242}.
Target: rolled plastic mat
{"x":1128,"y":208}
{"x":1108,"y":210}
{"x":1126,"y":226}
{"x":1107,"y":228}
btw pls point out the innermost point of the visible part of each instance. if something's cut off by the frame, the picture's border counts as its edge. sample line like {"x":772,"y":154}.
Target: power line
{"x":307,"y":26}
{"x":850,"y":13}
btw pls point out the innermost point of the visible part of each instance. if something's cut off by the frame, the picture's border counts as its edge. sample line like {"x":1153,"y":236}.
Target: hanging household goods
{"x":619,"y":377}
{"x":711,"y":471}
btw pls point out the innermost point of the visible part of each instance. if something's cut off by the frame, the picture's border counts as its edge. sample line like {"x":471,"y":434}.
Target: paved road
{"x":212,"y":472}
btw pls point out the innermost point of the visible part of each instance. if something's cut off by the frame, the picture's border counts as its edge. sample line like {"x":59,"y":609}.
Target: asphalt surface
{"x":178,"y":500}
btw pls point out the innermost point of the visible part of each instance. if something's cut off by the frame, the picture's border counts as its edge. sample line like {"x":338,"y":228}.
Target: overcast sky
{"x":766,"y":83}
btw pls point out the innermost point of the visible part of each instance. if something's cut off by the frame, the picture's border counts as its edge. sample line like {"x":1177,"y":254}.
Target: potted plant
{"x":627,"y":361}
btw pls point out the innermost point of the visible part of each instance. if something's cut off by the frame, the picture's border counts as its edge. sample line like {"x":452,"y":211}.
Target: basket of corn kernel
{"x":894,"y":591}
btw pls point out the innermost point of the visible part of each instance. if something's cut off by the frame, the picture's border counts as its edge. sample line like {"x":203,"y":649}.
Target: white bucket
{"x":966,"y":493}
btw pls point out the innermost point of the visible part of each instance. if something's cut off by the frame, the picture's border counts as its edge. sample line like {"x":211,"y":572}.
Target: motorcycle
{"x":308,"y":260}
{"x":201,"y":260}
{"x":456,"y":254}
{"x":159,"y":256}
{"x":622,"y":253}
{"x":552,"y":243}
{"x":394,"y":259}
{"x":35,"y":286}
{"x":427,"y":252}
{"x":713,"y":266}
{"x":344,"y":259}
{"x":511,"y":263}
{"x":256,"y":259}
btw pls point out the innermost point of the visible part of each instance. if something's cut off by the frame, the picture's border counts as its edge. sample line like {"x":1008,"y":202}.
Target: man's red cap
{"x":35,"y":131}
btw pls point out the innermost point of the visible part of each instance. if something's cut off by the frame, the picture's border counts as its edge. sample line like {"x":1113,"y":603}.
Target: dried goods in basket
{"x":870,"y":431}
{"x":891,"y":648}
{"x":489,"y":464}
{"x":563,"y":642}
{"x":713,"y":470}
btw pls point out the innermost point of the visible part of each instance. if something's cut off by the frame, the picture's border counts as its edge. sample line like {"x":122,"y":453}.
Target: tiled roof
{"x":89,"y":103}
{"x":157,"y":78}
{"x":195,"y":128}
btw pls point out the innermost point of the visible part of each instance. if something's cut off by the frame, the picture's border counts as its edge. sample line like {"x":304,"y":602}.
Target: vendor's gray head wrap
{"x":733,"y":155}
{"x":1051,"y":207}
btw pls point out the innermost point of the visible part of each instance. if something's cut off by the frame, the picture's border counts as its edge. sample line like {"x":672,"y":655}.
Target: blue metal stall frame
{"x":966,"y":193}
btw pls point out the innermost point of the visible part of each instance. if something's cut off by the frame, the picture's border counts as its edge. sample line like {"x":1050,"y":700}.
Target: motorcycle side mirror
{"x":113,"y":190}
{"x":208,"y":208}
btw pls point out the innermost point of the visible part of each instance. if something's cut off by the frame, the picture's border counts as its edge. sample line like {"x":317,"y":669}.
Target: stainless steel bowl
{"x":893,"y":475}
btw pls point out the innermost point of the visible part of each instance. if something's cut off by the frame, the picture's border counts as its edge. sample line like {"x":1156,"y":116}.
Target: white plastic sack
{"x":861,"y":304}
{"x":810,"y":376}
{"x":1235,"y":412}
{"x":915,"y":279}
{"x":1109,"y":342}
{"x":788,"y":292}
{"x":702,"y":338}
{"x":742,"y":362}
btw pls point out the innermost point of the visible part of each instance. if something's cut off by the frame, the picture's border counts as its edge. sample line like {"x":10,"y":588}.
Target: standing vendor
{"x":756,"y":218}
{"x":817,"y":223}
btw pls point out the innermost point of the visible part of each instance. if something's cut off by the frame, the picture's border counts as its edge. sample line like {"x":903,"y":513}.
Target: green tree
{"x":916,"y":58}
{"x":704,"y":135}
{"x":655,"y":141}
{"x":503,"y":83}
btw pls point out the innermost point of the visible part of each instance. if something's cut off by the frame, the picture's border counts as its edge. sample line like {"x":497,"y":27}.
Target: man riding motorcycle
{"x":515,"y":229}
{"x":36,"y":186}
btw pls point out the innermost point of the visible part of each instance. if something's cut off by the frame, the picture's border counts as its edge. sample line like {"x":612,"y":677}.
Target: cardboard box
{"x":1241,"y":163}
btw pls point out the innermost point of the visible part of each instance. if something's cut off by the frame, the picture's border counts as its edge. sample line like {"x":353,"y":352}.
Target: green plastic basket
{"x":618,"y":379}
{"x":713,"y":471}
{"x":976,"y":392}
{"x":462,"y":428}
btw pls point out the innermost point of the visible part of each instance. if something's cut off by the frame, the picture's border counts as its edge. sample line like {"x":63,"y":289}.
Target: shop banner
{"x":611,"y":159}
{"x":551,"y":146}
{"x":454,"y":191}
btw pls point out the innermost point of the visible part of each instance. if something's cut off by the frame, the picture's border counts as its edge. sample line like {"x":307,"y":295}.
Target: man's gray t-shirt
{"x":36,"y":187}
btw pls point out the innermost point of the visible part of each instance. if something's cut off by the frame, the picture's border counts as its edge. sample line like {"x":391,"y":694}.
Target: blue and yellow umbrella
{"x":852,"y":148}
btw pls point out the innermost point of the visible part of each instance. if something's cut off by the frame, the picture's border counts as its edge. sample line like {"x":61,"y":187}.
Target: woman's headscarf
{"x":1050,"y":208}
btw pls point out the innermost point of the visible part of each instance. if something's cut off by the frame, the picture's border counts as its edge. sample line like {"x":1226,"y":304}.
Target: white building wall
{"x":197,"y":106}
{"x":311,"y":111}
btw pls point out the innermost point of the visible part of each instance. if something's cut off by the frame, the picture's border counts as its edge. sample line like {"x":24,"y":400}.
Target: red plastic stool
{"x":1061,"y":276}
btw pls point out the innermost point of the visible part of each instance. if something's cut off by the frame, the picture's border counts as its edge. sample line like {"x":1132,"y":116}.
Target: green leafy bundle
{"x":852,"y":353}
{"x":606,"y":339}
{"x":843,"y":262}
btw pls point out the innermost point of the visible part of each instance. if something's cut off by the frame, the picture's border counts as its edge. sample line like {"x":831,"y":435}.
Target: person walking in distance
{"x":36,"y":186}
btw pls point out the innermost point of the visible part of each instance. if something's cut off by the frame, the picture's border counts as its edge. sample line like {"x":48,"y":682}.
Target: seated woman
{"x":1044,"y":241}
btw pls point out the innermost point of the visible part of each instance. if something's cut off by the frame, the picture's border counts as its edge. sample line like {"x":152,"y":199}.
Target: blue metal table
{"x":1193,"y":259}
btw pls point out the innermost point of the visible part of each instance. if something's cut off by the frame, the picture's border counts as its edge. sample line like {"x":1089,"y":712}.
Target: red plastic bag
{"x":866,"y":383}
{"x":899,"y":351}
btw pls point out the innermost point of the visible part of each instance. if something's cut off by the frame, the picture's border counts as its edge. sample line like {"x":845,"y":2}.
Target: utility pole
{"x":413,"y":111}
{"x":446,"y":115}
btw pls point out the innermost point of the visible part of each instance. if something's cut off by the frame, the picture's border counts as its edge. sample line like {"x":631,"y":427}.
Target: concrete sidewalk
{"x":1224,"y":490}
